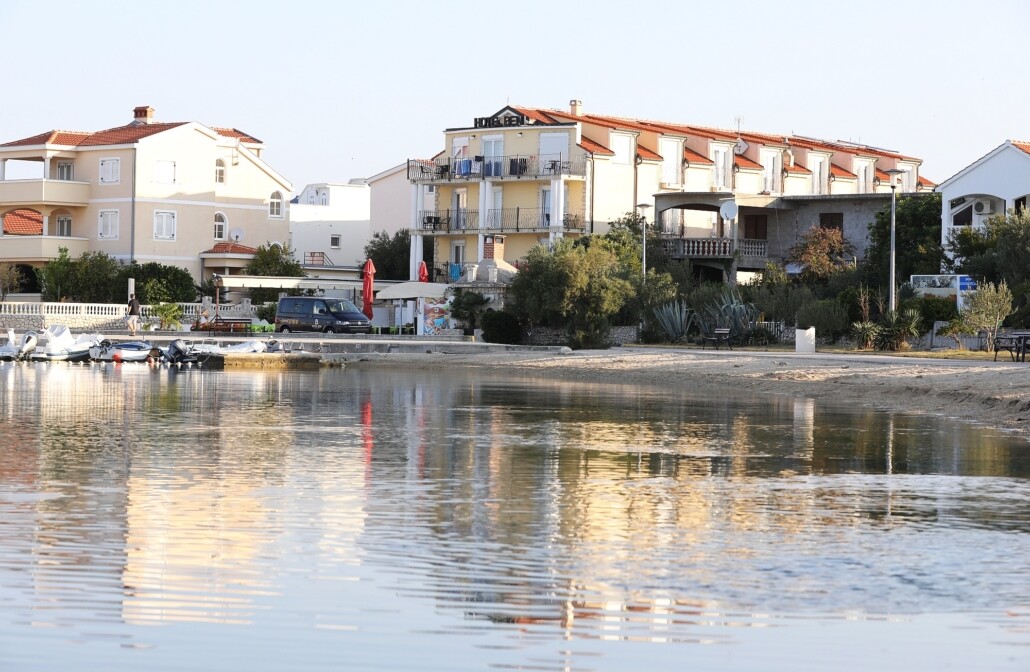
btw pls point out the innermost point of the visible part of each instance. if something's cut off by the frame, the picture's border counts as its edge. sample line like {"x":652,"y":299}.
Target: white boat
{"x":126,"y":351}
{"x":61,"y":346}
{"x":216,"y":349}
{"x":16,"y":349}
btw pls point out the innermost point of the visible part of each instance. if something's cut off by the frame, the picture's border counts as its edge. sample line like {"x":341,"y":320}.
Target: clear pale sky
{"x":340,"y":90}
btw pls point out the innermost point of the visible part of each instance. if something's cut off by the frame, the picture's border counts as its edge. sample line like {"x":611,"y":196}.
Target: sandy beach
{"x":994,"y":394}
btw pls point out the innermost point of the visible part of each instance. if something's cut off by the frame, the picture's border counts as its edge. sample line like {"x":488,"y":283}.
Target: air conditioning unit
{"x":983,"y":207}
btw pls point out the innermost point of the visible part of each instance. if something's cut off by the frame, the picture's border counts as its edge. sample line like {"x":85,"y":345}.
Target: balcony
{"x":504,"y":220}
{"x":24,"y":249}
{"x":37,"y":192}
{"x":716,"y":248}
{"x":517,"y":167}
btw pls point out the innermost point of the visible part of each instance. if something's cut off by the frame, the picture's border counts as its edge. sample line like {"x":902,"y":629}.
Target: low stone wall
{"x":552,"y":336}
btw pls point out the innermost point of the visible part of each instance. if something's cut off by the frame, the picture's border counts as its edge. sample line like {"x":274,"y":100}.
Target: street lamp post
{"x":643,"y":248}
{"x":892,"y":173}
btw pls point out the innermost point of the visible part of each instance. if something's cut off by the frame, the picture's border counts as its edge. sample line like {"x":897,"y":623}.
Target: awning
{"x":413,"y":290}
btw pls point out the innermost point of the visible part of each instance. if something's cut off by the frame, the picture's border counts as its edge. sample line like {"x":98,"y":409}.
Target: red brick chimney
{"x":493,"y":247}
{"x":144,"y":114}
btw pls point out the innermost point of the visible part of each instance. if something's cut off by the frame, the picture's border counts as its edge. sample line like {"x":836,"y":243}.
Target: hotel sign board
{"x":499,"y":121}
{"x":944,"y":286}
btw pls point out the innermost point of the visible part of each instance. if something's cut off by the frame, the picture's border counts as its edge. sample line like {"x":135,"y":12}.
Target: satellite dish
{"x":236,"y":235}
{"x":740,"y":147}
{"x":728,"y":210}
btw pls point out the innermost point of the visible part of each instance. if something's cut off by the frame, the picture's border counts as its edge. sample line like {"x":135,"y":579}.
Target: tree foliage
{"x":10,"y":279}
{"x":56,"y":277}
{"x":574,"y":286}
{"x":273,"y":261}
{"x":997,"y":251}
{"x":158,"y":282}
{"x":95,"y":278}
{"x":467,"y":306}
{"x":986,"y":309}
{"x":917,"y":240}
{"x":821,"y":252}
{"x":390,"y":255}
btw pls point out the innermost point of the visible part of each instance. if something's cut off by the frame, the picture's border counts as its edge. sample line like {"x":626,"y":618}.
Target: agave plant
{"x":675,"y":319}
{"x":897,"y":328}
{"x":865,"y":333}
{"x":728,"y":311}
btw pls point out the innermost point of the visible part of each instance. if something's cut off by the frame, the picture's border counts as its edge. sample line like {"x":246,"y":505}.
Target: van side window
{"x":298,"y":307}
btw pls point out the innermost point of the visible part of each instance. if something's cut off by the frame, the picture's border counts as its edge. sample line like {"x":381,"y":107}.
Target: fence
{"x":40,"y":315}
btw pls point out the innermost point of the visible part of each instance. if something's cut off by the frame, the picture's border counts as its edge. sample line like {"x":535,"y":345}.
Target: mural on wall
{"x":435,"y":314}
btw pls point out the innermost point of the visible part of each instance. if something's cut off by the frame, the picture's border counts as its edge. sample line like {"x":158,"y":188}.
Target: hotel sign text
{"x":497,"y":122}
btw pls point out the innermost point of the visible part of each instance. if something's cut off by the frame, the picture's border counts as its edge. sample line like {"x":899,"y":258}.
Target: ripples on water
{"x":358,"y":519}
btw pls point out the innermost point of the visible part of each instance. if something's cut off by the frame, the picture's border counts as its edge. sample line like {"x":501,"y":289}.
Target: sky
{"x":342,"y":90}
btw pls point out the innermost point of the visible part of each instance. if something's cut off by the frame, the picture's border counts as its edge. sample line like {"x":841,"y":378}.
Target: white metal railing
{"x":117,"y":310}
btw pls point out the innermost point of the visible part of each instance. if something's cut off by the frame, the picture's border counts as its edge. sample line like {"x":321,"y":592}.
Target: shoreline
{"x":990,"y":394}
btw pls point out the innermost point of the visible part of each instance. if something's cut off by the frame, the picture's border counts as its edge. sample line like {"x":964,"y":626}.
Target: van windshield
{"x":342,"y":306}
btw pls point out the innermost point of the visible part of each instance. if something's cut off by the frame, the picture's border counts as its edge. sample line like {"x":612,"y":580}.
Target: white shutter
{"x":164,"y":172}
{"x":164,"y":225}
{"x":108,"y":224}
{"x":110,"y":171}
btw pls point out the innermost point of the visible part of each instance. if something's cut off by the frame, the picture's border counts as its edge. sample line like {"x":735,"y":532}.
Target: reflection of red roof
{"x":114,"y":136}
{"x":23,"y":223}
{"x":230,"y":248}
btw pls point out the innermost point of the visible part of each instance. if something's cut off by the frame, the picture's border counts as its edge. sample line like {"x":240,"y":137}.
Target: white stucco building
{"x":991,"y":185}
{"x":330,"y":224}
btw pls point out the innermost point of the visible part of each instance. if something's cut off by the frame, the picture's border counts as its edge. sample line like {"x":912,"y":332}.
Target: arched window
{"x":275,"y":204}
{"x":219,"y":171}
{"x":219,"y":226}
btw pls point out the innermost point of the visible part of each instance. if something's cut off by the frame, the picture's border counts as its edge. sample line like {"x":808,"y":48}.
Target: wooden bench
{"x":718,"y":336}
{"x":225,"y":323}
{"x":1014,"y":344}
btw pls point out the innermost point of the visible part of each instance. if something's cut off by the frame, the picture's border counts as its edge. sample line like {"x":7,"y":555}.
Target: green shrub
{"x":897,"y":328}
{"x":932,"y":308}
{"x":827,"y":316}
{"x":266,"y":312}
{"x":500,"y":326}
{"x":865,"y":334}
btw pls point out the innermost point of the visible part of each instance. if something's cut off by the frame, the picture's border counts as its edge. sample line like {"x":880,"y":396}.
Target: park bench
{"x":225,"y":323}
{"x":719,"y":336}
{"x":1015,"y":344}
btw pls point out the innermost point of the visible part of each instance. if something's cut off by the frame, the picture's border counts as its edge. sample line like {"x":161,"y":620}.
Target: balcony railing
{"x":450,"y":271}
{"x":32,"y":192}
{"x":715,"y":248}
{"x":504,"y":220}
{"x":513,"y":167}
{"x":317,"y":259}
{"x":40,"y":248}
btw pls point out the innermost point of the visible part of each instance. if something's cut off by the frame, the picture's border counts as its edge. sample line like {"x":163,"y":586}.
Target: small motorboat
{"x":125,"y":351}
{"x":61,"y":346}
{"x":216,"y":349}
{"x":17,"y":350}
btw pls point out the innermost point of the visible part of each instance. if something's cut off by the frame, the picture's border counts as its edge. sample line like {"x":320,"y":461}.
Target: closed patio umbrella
{"x":423,"y":272}
{"x":367,"y":285}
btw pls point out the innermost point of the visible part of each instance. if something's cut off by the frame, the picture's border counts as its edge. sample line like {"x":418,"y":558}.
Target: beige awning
{"x":413,"y":290}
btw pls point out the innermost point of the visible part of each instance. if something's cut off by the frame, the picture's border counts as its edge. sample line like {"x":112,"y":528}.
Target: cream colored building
{"x":181,"y":194}
{"x":533,"y":175}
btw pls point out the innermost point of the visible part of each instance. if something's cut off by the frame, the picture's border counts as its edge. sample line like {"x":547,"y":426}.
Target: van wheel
{"x":284,"y":329}
{"x":327,"y":330}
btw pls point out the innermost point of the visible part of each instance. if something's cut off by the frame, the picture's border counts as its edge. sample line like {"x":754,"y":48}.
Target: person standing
{"x":133,"y":319}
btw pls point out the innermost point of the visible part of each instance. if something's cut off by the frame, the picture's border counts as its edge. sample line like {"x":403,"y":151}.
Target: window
{"x":622,"y":145}
{"x":963,"y":217}
{"x":832,"y":220}
{"x":219,"y":171}
{"x":862,"y":170}
{"x":108,"y":228}
{"x":720,"y":157}
{"x":756,"y":227}
{"x":334,"y":242}
{"x":219,"y":226}
{"x":275,"y":204}
{"x":819,"y":179}
{"x":671,"y":158}
{"x":772,"y":165}
{"x":110,"y":171}
{"x":164,"y":172}
{"x":64,"y":171}
{"x":164,"y":225}
{"x":64,"y":226}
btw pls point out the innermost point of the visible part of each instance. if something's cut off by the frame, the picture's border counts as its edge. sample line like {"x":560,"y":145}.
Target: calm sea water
{"x":153,"y":519}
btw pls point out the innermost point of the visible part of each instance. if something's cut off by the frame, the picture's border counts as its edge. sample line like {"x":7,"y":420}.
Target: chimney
{"x":144,"y":114}
{"x":576,"y":107}
{"x":493,"y":247}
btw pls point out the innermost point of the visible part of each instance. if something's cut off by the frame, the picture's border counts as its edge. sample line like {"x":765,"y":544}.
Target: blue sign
{"x":966,"y":283}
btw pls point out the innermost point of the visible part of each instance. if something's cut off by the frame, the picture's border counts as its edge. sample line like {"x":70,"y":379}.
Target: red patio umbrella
{"x":369,"y":272}
{"x":423,"y":272}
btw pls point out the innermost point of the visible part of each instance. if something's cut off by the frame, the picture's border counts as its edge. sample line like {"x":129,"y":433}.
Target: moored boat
{"x":61,"y":346}
{"x":16,"y":349}
{"x":125,"y":351}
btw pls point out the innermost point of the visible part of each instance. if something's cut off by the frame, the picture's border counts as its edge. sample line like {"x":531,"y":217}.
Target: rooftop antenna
{"x":738,"y":120}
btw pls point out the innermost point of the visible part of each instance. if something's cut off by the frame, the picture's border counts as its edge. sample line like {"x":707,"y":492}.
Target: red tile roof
{"x":837,"y":171}
{"x":930,"y":183}
{"x":23,"y":223}
{"x":595,"y":147}
{"x":744,"y":162}
{"x":797,"y":168}
{"x":230,"y":248}
{"x":120,"y":135}
{"x":647,"y":154}
{"x":696,"y":159}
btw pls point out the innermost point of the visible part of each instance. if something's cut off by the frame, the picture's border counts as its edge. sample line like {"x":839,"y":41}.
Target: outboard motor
{"x":178,"y":351}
